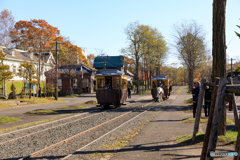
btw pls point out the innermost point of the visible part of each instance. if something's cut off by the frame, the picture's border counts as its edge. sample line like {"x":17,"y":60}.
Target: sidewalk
{"x":156,"y":141}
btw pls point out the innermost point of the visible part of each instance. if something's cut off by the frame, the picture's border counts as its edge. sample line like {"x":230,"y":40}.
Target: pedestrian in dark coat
{"x":170,"y":89}
{"x":129,"y":92}
{"x":208,"y":96}
{"x":195,"y":93}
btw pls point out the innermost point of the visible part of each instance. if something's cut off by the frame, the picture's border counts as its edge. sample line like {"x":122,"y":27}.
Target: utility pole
{"x":56,"y":89}
{"x":231,"y":67}
{"x":104,"y":62}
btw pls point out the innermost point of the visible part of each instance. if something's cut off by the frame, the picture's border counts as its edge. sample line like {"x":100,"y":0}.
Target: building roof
{"x":110,"y":61}
{"x":27,"y":56}
{"x":81,"y":68}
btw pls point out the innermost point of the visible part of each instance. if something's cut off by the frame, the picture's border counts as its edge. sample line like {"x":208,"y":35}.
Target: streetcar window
{"x":116,"y":83}
{"x":100,"y":83}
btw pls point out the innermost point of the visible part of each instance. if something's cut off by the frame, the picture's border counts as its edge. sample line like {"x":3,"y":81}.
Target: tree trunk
{"x":5,"y":89}
{"x":190,"y":78}
{"x":219,"y":49}
{"x":137,"y":74}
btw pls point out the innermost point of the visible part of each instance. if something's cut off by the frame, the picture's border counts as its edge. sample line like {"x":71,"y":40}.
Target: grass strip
{"x":190,"y":100}
{"x":143,"y":92}
{"x":42,"y":111}
{"x":38,"y":100}
{"x":179,"y":91}
{"x":33,"y":123}
{"x":229,"y":138}
{"x":5,"y":119}
{"x":4,"y":105}
{"x":202,"y":120}
{"x":71,"y":96}
{"x":72,"y":107}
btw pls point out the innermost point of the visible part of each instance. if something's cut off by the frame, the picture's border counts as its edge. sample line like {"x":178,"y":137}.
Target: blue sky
{"x":100,"y":23}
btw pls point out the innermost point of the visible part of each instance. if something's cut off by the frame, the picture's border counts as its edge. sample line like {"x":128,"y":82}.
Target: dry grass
{"x":4,"y":105}
{"x":33,"y":123}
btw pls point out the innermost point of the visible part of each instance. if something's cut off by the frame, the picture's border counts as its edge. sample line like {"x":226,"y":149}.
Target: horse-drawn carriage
{"x":155,"y":81}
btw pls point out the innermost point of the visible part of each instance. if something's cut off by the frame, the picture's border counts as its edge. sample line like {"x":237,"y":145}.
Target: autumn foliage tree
{"x":91,"y":58}
{"x":36,"y":36}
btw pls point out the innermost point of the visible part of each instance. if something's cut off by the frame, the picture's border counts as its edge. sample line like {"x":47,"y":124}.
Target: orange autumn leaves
{"x":39,"y":36}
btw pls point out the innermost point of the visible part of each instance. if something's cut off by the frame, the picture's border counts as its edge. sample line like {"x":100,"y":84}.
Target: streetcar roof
{"x":159,"y":77}
{"x":110,"y":72}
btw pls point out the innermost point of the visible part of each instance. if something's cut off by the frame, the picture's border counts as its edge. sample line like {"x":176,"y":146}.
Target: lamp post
{"x":56,"y":89}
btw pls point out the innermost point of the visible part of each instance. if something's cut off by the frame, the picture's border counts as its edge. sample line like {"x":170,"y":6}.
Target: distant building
{"x":81,"y":82}
{"x":14,"y":57}
{"x":113,"y":62}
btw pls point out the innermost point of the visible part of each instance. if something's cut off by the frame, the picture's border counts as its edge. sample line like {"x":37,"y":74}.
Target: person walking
{"x":207,"y":103}
{"x":195,"y":93}
{"x":129,"y":92}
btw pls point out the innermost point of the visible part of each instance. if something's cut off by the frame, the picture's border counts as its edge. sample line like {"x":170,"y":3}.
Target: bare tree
{"x":189,"y":42}
{"x":100,"y":52}
{"x":6,"y":27}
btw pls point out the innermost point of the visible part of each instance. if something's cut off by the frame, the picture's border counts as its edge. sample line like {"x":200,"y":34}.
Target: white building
{"x":14,"y":57}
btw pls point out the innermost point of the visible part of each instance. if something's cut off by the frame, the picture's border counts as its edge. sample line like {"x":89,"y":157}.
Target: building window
{"x":74,"y":83}
{"x":59,"y":83}
{"x":14,"y":69}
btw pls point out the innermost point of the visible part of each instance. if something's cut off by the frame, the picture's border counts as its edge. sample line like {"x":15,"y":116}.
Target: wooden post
{"x":199,"y":109}
{"x":216,"y":117}
{"x":237,"y":147}
{"x":209,"y":125}
{"x":235,"y":110}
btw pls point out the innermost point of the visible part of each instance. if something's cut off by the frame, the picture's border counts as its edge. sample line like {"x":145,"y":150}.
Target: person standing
{"x":195,"y":93}
{"x":207,"y":103}
{"x":129,"y":92}
{"x":170,"y":89}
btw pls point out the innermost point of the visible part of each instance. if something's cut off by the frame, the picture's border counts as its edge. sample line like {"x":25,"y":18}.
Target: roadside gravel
{"x":29,"y":144}
{"x":105,"y":147}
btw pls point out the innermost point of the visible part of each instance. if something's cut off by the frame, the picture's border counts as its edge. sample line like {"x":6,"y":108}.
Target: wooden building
{"x":79,"y":77}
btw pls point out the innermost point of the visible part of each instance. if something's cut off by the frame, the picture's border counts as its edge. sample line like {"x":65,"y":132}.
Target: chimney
{"x":13,"y":53}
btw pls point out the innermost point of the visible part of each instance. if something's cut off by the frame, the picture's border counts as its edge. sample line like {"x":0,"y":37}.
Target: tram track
{"x":115,"y":114}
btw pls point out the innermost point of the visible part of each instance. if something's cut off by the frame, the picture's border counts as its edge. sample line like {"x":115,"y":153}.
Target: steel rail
{"x":68,"y":139}
{"x":105,"y":134}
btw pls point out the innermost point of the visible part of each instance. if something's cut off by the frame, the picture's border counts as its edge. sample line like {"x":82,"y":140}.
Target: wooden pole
{"x":199,"y":109}
{"x":209,"y":125}
{"x":237,"y":147}
{"x":235,"y":110}
{"x":216,"y":117}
